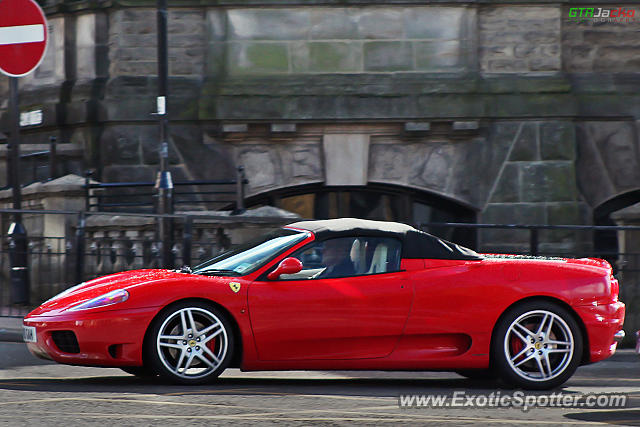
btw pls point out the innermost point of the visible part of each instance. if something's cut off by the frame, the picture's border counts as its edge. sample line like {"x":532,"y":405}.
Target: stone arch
{"x":375,"y":201}
{"x":458,"y":165}
{"x":608,"y":161}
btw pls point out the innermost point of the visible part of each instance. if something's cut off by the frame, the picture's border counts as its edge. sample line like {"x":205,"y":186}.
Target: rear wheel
{"x":190,"y":343}
{"x":537,"y":345}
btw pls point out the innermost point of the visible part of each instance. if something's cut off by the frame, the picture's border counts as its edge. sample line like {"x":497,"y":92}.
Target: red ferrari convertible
{"x":341,"y":294}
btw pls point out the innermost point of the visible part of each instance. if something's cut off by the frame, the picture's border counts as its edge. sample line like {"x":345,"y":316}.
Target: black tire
{"x":478,"y":374}
{"x":139,"y":371}
{"x":202,"y":347}
{"x":537,"y":345}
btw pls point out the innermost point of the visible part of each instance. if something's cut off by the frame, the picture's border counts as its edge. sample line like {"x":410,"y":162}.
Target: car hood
{"x":102,"y":285}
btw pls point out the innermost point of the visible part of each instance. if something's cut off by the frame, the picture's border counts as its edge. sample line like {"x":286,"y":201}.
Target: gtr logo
{"x":235,"y":286}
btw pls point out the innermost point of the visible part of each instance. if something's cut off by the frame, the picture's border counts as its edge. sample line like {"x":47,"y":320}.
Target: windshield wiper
{"x":217,"y":272}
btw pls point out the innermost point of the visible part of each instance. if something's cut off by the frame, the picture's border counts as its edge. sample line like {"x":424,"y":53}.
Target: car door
{"x":358,"y":312}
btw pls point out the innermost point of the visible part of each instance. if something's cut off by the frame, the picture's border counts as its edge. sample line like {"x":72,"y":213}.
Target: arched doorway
{"x":605,"y":243}
{"x":375,"y":201}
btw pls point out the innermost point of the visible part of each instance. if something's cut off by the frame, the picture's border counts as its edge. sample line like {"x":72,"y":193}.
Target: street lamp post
{"x":164,"y":182}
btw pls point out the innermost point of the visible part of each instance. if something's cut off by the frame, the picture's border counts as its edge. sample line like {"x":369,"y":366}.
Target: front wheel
{"x":537,"y":345}
{"x":190,"y":343}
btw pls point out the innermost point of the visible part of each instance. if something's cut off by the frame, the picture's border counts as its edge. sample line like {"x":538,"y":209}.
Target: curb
{"x":11,"y":329}
{"x":10,"y":335}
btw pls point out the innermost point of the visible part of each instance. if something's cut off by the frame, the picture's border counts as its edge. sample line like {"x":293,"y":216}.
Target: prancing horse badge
{"x":235,"y":286}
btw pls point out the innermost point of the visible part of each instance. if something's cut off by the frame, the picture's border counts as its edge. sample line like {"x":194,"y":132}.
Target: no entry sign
{"x":23,"y":36}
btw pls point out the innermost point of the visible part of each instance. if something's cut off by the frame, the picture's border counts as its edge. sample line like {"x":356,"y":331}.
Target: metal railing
{"x":88,"y":251}
{"x":142,"y":196}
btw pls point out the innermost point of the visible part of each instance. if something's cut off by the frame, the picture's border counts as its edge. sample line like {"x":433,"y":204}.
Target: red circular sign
{"x":23,"y":36}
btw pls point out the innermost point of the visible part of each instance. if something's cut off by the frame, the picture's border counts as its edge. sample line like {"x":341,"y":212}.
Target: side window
{"x":347,"y":256}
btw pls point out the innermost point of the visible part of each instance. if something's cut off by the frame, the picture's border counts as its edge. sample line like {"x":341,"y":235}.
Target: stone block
{"x":431,"y":22}
{"x":432,"y":165}
{"x":333,"y":23}
{"x":511,"y":213}
{"x":129,"y":173}
{"x":268,"y":24}
{"x":215,"y":59}
{"x":326,"y":57}
{"x":388,"y":56}
{"x":388,"y":162}
{"x":257,"y":58}
{"x":283,"y":127}
{"x":417,"y":126}
{"x":508,"y":187}
{"x":301,"y":163}
{"x":564,"y":214}
{"x":525,"y":148}
{"x":216,"y":22}
{"x":557,"y":141}
{"x":235,"y":127}
{"x":438,"y":56}
{"x":569,"y":213}
{"x":517,"y":39}
{"x":616,"y":59}
{"x":121,"y":145}
{"x":260,"y":166}
{"x":462,"y":126}
{"x":346,"y":159}
{"x":548,"y":181}
{"x":380,"y":23}
{"x":545,"y":64}
{"x":151,"y":150}
{"x":86,"y":45}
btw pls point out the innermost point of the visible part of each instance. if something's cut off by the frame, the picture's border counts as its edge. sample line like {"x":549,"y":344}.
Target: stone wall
{"x":536,"y":185}
{"x":550,"y":98}
{"x":520,"y":39}
{"x":589,"y":46}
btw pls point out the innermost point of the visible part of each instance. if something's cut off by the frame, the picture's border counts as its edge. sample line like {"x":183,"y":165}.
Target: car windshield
{"x":252,"y":255}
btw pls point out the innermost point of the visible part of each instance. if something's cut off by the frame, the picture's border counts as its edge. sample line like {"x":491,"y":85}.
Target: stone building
{"x":416,"y":111}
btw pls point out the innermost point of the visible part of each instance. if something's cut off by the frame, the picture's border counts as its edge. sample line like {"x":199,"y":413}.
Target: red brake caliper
{"x":211,"y":345}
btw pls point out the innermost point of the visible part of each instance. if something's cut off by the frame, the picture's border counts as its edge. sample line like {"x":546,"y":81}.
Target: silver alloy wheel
{"x":192,"y":343}
{"x":539,"y":345}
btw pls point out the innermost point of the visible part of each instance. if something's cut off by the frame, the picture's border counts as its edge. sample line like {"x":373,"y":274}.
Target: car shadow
{"x":625,"y":417}
{"x":368,"y":387}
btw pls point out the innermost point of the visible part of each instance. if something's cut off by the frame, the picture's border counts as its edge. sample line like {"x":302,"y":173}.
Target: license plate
{"x":29,"y":333}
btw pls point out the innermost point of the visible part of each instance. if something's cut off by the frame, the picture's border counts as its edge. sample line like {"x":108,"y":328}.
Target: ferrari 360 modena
{"x":343,"y":294}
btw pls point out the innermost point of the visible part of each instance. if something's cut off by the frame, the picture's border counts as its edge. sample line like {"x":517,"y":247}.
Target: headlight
{"x":113,"y":297}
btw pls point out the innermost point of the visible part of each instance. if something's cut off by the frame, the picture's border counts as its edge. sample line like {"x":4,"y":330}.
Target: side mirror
{"x":287,"y":266}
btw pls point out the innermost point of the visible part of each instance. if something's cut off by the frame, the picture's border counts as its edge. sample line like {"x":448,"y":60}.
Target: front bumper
{"x":105,"y":338}
{"x":603,"y":324}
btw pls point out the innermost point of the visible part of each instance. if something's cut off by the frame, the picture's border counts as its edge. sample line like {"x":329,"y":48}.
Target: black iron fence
{"x":143,"y":196}
{"x":99,"y":243}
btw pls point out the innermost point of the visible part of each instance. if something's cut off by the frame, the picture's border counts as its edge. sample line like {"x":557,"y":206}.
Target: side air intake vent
{"x":66,"y":341}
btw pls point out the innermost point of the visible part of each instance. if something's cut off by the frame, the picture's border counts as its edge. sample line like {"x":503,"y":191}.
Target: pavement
{"x":41,"y":393}
{"x":11,"y":329}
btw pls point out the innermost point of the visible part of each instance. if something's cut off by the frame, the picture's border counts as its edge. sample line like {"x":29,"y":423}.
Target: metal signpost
{"x":164,"y":182}
{"x":23,"y":42}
